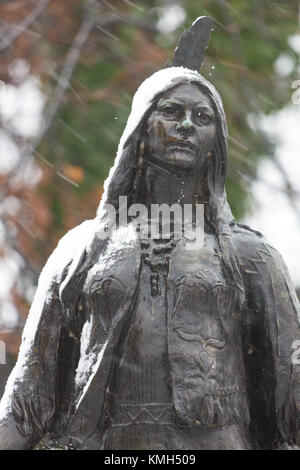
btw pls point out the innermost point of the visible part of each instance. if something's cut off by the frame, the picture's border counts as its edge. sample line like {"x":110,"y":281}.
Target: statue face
{"x":182,"y":128}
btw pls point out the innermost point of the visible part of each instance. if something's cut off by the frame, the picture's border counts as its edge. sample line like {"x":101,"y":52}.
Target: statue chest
{"x":200,"y":304}
{"x":187,"y":286}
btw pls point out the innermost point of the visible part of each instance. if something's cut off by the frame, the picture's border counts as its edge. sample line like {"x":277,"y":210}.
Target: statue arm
{"x":34,"y":401}
{"x":270,"y":329}
{"x":28,"y":406}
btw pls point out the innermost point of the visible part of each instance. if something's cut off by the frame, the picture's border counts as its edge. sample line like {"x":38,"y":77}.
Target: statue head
{"x":181,"y":129}
{"x":195,"y":138}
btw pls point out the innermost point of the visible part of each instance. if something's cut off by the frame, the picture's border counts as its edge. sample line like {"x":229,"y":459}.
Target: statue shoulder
{"x":69,"y":247}
{"x":252,"y":245}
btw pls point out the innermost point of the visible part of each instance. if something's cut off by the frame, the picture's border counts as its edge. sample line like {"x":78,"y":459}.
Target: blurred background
{"x":68,"y":71}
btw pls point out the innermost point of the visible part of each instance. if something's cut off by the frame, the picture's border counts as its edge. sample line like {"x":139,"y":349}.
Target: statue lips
{"x":186,"y":150}
{"x":181,"y":145}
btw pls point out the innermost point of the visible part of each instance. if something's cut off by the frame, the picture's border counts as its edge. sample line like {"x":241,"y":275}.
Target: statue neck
{"x":164,"y":187}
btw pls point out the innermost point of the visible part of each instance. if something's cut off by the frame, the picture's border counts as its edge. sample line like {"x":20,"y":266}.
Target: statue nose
{"x":186,"y":125}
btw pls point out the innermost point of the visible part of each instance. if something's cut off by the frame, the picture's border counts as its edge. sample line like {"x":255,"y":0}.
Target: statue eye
{"x":169,"y":111}
{"x":203,"y":117}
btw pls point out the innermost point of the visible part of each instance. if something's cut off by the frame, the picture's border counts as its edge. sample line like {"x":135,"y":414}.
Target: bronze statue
{"x":144,"y":344}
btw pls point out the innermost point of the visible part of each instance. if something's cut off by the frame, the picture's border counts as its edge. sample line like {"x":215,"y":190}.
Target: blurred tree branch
{"x":64,"y":78}
{"x":21,"y":27}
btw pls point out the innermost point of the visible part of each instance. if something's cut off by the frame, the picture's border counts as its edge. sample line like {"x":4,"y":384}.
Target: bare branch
{"x":63,"y":81}
{"x":20,"y":28}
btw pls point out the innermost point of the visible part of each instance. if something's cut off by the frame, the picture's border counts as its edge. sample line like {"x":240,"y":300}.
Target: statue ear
{"x":192,"y":45}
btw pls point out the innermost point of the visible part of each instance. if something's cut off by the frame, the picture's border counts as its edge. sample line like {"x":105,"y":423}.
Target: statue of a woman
{"x":146,"y":344}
